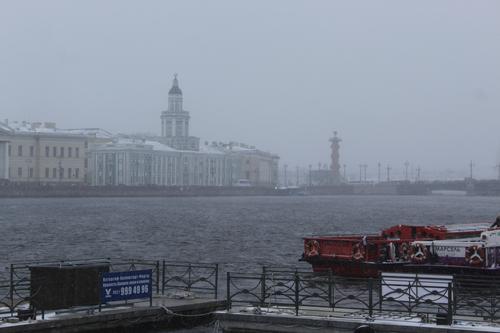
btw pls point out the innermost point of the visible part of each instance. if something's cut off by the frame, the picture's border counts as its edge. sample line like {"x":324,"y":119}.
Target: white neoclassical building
{"x":177,"y":159}
{"x":138,"y":162}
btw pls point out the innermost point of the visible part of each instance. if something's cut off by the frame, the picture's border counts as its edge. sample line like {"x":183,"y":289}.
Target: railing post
{"x":189,"y":277}
{"x":370,"y":297}
{"x":449,"y":318}
{"x":163,"y":278}
{"x":157,"y":277}
{"x":228,"y":290}
{"x":409,"y":296}
{"x":330,"y":289}
{"x":380,"y":294}
{"x":263,"y":286}
{"x":11,"y":290}
{"x":216,"y":281}
{"x":455,"y":299}
{"x":297,"y":289}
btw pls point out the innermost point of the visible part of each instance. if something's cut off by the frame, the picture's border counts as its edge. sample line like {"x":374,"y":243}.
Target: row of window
{"x":56,"y":173}
{"x":61,"y":152}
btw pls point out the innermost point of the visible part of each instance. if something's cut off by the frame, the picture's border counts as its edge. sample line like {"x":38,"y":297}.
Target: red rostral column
{"x":335,"y":162}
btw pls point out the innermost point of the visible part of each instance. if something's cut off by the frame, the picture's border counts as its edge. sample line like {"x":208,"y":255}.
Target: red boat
{"x":368,"y":255}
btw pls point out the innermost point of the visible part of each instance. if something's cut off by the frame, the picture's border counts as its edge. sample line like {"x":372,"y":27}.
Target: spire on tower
{"x":175,"y":90}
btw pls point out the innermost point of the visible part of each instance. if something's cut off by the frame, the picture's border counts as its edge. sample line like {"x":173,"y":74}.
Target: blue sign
{"x":120,"y":286}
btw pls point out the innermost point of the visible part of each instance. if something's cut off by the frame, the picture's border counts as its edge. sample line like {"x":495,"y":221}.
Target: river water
{"x":239,"y":232}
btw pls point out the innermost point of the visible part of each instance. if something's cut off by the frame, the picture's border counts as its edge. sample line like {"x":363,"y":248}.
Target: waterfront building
{"x":5,"y":133}
{"x":141,"y":162}
{"x":175,"y":122}
{"x":42,"y":153}
{"x":177,"y":159}
{"x":258,"y":167}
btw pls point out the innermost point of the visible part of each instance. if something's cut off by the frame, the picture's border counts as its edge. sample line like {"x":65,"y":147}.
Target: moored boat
{"x":389,"y":251}
{"x":475,"y":256}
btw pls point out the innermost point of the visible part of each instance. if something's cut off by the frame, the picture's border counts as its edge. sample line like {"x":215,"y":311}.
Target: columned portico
{"x":4,"y":159}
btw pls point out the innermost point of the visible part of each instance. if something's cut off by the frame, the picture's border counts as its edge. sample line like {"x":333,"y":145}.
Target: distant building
{"x":177,"y":159}
{"x":136,"y":162}
{"x":175,"y":122}
{"x":258,"y":167}
{"x":42,"y":153}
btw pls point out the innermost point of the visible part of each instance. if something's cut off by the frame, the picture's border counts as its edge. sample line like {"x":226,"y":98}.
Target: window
{"x":61,"y":152}
{"x":47,"y":171}
{"x":77,"y":152}
{"x":19,"y":150}
{"x":47,"y":151}
{"x":54,"y":172}
{"x":69,"y":173}
{"x":86,"y":144}
{"x":70,"y":151}
{"x":19,"y":172}
{"x":54,"y":151}
{"x":86,"y":163}
{"x":10,"y":150}
{"x":32,"y":151}
{"x":30,"y":172}
{"x":61,"y":173}
{"x":77,"y":172}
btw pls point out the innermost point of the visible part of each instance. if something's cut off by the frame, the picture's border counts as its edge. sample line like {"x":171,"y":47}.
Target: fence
{"x":17,"y":294}
{"x":422,"y":297}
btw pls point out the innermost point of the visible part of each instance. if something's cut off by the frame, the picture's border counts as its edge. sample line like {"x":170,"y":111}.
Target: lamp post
{"x":310,"y":175}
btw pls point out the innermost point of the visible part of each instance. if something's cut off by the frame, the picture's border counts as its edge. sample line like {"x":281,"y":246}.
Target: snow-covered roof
{"x":95,"y":132}
{"x":5,"y":128}
{"x":127,"y":143}
{"x":25,"y":127}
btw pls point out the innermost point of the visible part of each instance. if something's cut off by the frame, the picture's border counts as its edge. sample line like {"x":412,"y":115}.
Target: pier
{"x":64,"y":296}
{"x":78,"y":296}
{"x":277,"y":300}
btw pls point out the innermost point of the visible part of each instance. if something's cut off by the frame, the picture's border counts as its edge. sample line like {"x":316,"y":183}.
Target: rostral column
{"x":335,"y":162}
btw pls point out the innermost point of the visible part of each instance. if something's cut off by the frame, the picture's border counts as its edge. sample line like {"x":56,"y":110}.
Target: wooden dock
{"x":164,"y":312}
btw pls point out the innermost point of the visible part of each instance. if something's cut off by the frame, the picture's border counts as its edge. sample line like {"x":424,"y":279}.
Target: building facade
{"x":177,"y":159}
{"x":136,"y":163}
{"x":5,"y":134}
{"x":42,"y":153}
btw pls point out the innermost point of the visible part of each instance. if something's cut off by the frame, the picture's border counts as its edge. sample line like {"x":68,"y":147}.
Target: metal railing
{"x":17,"y":294}
{"x":424,"y":297}
{"x":201,"y":278}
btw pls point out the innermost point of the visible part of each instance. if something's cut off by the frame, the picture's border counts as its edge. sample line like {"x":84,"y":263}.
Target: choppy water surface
{"x":241,"y":232}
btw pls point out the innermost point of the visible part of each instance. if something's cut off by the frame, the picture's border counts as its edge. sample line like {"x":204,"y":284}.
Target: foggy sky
{"x":399,"y":80}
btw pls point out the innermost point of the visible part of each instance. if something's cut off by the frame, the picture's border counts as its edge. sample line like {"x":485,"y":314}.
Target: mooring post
{"x":216,"y":281}
{"x":297,"y":286}
{"x":11,"y":290}
{"x":228,"y":290}
{"x":157,"y":277}
{"x":163,"y":278}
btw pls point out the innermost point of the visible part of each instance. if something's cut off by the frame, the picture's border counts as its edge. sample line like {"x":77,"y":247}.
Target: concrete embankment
{"x":60,"y":190}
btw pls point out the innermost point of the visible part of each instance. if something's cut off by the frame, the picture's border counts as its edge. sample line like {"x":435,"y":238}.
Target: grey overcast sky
{"x":400,"y":80}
